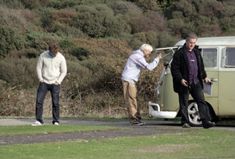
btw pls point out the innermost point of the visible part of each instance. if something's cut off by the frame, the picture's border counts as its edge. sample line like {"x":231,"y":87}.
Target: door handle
{"x":214,"y":80}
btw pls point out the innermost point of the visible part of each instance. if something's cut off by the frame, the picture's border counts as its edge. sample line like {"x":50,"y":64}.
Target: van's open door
{"x":165,"y":106}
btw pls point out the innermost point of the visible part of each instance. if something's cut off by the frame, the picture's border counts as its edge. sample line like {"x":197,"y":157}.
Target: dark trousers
{"x":197,"y":93}
{"x":41,"y":93}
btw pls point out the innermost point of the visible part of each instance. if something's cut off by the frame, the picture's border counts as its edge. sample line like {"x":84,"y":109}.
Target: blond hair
{"x":146,"y":47}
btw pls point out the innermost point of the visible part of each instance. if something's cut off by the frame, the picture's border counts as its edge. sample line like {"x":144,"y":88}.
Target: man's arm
{"x":175,"y":67}
{"x":63,"y":71}
{"x":39,"y":68}
{"x":150,"y":66}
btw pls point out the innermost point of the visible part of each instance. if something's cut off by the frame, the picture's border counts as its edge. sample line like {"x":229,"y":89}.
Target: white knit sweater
{"x":51,"y":70}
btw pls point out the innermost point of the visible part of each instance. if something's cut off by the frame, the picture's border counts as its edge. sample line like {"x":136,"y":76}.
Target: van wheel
{"x":193,"y":114}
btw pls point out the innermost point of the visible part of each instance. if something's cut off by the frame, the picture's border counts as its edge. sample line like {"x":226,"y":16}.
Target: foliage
{"x":11,"y":3}
{"x":18,"y":71}
{"x":10,"y":40}
{"x":96,"y":38}
{"x":99,"y":21}
{"x":39,"y":40}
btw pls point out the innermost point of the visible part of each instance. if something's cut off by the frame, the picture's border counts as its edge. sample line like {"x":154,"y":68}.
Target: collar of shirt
{"x":51,"y":54}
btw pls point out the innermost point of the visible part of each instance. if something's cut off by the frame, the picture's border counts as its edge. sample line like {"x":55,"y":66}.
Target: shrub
{"x":148,"y":4}
{"x":47,"y":20}
{"x":166,"y":40}
{"x":78,"y":81}
{"x":10,"y":40}
{"x":99,"y":21}
{"x":24,"y":53}
{"x":11,"y":3}
{"x":20,"y":72}
{"x":62,"y":4}
{"x":90,"y":21}
{"x":80,"y":53}
{"x":138,"y":39}
{"x":66,"y":44}
{"x":30,"y":4}
{"x":16,"y":102}
{"x":176,"y":25}
{"x":39,"y":40}
{"x":150,"y":21}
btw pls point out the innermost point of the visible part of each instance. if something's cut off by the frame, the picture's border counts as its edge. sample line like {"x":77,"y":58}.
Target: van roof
{"x":212,"y":41}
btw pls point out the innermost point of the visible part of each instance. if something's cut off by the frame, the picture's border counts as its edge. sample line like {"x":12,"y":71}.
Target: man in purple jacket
{"x":188,"y":74}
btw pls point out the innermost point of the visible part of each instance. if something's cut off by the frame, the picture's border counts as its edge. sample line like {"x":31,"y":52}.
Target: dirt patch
{"x":168,"y":148}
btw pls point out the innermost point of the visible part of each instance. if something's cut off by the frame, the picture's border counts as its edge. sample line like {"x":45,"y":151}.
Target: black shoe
{"x":207,"y":124}
{"x":186,"y":125}
{"x":137,"y":123}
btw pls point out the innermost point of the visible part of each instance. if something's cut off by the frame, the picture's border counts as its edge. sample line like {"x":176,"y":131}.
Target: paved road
{"x":114,"y":122}
{"x":152,"y":127}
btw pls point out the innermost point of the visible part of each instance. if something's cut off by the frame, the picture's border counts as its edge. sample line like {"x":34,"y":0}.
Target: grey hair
{"x":191,"y":36}
{"x":146,"y":47}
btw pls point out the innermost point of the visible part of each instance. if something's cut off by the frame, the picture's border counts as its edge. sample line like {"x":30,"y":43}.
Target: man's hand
{"x":159,"y":56}
{"x":57,"y":83}
{"x":184,"y":82}
{"x":207,"y":80}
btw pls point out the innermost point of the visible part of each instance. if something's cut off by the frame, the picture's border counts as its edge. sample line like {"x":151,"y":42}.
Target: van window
{"x":230,"y":57}
{"x":209,"y":56}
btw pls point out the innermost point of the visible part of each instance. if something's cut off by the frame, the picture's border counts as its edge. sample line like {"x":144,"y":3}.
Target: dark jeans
{"x":197,"y":93}
{"x":41,"y":93}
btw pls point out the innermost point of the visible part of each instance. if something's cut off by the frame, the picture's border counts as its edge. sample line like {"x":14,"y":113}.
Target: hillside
{"x":96,"y":37}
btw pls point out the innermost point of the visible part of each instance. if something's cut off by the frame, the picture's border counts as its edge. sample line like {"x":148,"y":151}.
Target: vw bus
{"x":219,"y":59}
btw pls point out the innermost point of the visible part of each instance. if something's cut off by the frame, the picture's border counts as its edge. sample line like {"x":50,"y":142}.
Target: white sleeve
{"x":39,"y":68}
{"x":63,"y":70}
{"x":143,"y":64}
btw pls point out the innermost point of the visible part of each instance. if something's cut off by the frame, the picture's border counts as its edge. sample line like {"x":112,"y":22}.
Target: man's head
{"x":191,"y":40}
{"x":53,"y":48}
{"x":147,"y":49}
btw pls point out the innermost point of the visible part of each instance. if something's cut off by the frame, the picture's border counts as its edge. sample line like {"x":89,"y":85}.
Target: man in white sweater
{"x":130,"y":75}
{"x":51,"y":70}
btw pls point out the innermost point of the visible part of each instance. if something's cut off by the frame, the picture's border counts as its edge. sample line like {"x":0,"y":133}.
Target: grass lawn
{"x":198,"y":144}
{"x":46,"y":129}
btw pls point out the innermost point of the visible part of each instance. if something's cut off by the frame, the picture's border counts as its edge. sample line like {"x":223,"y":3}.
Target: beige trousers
{"x":130,"y":93}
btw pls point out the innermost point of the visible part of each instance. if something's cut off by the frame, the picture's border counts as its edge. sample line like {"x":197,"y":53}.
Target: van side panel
{"x":227,"y":93}
{"x":169,"y":99}
{"x":213,"y":98}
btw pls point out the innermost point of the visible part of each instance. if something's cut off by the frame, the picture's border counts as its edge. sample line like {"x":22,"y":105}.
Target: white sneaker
{"x":56,"y":123}
{"x":37,"y":123}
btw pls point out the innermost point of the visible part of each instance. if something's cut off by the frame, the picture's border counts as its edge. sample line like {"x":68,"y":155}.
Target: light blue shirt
{"x":135,"y":63}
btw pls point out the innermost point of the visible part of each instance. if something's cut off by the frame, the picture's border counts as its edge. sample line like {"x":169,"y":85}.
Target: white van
{"x":219,"y":59}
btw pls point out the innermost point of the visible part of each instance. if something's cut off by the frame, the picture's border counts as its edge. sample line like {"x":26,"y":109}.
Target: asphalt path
{"x":151,"y":127}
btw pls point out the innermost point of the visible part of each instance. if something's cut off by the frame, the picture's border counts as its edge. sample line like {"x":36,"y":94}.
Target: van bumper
{"x":154,"y":110}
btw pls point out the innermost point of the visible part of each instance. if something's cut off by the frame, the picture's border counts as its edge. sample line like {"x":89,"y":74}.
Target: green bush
{"x":31,"y":4}
{"x":67,"y":31}
{"x":78,"y":79}
{"x":10,"y":40}
{"x":47,"y":20}
{"x":148,"y":4}
{"x":150,"y":37}
{"x":11,"y":3}
{"x":99,"y":21}
{"x":58,"y":4}
{"x":66,"y":44}
{"x":19,"y":72}
{"x":39,"y":40}
{"x":80,"y":53}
